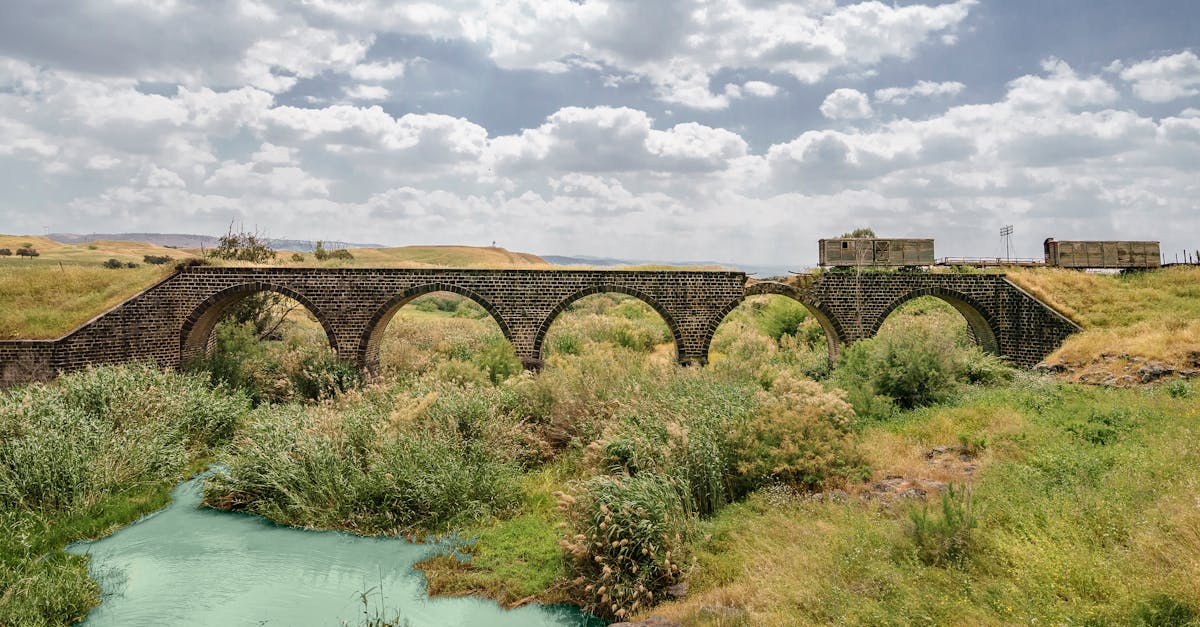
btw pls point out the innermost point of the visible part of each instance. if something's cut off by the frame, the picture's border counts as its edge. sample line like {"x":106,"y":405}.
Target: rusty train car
{"x":845,"y":252}
{"x":1123,"y":255}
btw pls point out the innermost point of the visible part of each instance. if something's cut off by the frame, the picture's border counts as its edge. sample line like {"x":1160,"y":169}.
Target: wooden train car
{"x":1101,"y":254}
{"x":873,"y":251}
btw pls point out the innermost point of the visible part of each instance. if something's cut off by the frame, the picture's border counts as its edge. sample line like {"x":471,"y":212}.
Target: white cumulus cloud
{"x":1165,"y":78}
{"x":846,"y":104}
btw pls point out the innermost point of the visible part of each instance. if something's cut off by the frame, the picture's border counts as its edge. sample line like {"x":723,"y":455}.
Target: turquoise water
{"x":184,"y":565}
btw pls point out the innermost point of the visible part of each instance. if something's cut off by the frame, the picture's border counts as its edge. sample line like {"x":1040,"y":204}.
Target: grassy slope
{"x":1148,"y":315}
{"x":65,"y":286}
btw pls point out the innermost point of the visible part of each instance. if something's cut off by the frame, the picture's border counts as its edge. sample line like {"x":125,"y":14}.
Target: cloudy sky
{"x":736,"y":130}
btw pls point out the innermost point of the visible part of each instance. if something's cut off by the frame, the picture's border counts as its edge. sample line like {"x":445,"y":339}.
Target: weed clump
{"x":946,"y":538}
{"x":628,"y":540}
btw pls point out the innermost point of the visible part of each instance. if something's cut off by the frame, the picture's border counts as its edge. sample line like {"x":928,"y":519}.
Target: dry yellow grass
{"x":46,"y":301}
{"x":902,"y":452}
{"x":1127,"y":319}
{"x":89,"y":253}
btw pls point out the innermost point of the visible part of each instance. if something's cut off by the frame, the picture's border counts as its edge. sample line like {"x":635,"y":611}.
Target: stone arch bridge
{"x":173,"y":320}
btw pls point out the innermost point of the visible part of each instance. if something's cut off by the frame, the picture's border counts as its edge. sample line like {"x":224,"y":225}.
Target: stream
{"x":187,"y":565}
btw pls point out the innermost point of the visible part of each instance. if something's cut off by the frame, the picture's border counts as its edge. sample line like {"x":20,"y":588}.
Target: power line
{"x":1006,"y":234}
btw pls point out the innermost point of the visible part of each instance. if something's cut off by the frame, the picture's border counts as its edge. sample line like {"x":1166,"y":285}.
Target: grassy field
{"x":1086,"y":510}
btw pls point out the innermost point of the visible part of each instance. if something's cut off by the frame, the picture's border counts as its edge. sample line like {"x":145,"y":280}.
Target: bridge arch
{"x":602,"y":288}
{"x":830,"y":324}
{"x":368,"y":357}
{"x":980,"y":323}
{"x":195,"y":336}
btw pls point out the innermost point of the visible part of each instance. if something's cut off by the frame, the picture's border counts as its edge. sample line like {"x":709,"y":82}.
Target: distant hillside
{"x":757,"y":270}
{"x":443,"y":256}
{"x":184,"y":240}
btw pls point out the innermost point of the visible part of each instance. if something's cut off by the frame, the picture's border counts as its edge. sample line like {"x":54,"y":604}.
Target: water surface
{"x":185,"y":565}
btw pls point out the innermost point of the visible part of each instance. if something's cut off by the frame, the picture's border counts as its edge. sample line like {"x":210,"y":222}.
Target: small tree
{"x":156,"y":260}
{"x":861,"y":232}
{"x":5,"y":252}
{"x":297,"y":257}
{"x":319,"y":251}
{"x":341,"y":253}
{"x":113,"y":263}
{"x":243,"y":246}
{"x":27,"y":250}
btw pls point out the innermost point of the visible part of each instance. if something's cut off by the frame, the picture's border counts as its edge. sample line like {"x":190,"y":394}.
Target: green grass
{"x":1070,"y":530}
{"x":514,"y":560}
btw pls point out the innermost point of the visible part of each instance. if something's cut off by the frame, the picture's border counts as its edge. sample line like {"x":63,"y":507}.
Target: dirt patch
{"x":1123,"y":370}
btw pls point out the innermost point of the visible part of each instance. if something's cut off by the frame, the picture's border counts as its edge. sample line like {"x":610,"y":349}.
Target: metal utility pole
{"x":1006,"y":234}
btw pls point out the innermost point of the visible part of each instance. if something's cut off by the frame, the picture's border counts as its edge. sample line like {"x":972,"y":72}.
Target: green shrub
{"x":296,"y":367}
{"x":498,"y":360}
{"x":1178,"y":388}
{"x":1101,"y":427}
{"x":945,"y":539}
{"x":156,"y":260}
{"x":782,"y":316}
{"x":381,"y":466}
{"x":911,"y":368}
{"x":628,"y":540}
{"x":800,"y":435}
{"x":5,"y":252}
{"x":113,"y":264}
{"x":1161,"y":610}
{"x":322,"y":375}
{"x":565,"y":344}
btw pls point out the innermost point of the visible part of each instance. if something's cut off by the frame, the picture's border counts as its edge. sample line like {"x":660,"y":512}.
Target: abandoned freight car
{"x":1101,"y":254}
{"x":873,"y":251}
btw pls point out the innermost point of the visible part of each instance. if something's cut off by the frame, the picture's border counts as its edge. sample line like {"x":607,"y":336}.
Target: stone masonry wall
{"x":173,"y":318}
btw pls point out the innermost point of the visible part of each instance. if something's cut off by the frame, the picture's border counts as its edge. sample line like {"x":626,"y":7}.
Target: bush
{"x":297,"y":257}
{"x":371,"y":466}
{"x":113,"y":264}
{"x":156,"y":260}
{"x":322,"y":375}
{"x":1161,"y":610}
{"x":1178,"y":388}
{"x":799,"y":436}
{"x":5,"y":252}
{"x":341,"y":253}
{"x":27,"y":250}
{"x":243,"y":246}
{"x":298,"y":367}
{"x":498,"y":360}
{"x":946,"y":539}
{"x":628,"y":539}
{"x":782,"y":316}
